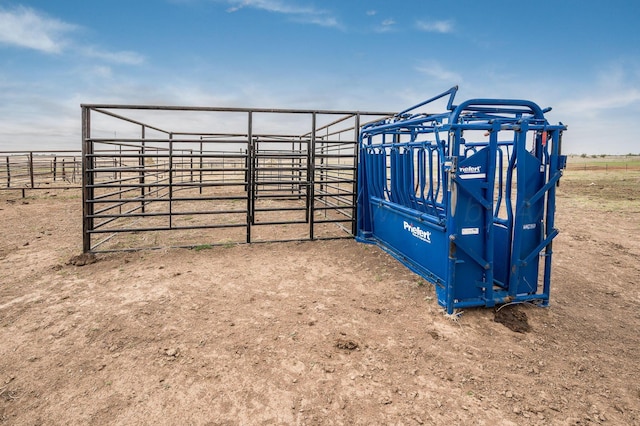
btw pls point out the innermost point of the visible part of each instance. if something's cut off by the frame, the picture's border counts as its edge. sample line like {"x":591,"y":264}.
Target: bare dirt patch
{"x":82,"y":259}
{"x":325,"y":332}
{"x":512,"y":317}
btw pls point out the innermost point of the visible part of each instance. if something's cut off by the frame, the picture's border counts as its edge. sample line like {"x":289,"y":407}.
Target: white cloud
{"x":437,"y":71}
{"x":618,"y":75}
{"x":386,"y":26}
{"x":277,"y":6}
{"x":25,"y":27}
{"x":594,"y":106}
{"x":35,"y":121}
{"x":435,"y":26}
{"x":303,"y":14}
{"x":102,"y":72}
{"x":614,"y":90}
{"x":123,"y":57}
{"x":371,"y":12}
{"x":323,"y":21}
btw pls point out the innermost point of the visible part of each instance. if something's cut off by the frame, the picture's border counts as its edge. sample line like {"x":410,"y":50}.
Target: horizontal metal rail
{"x":166,"y":228}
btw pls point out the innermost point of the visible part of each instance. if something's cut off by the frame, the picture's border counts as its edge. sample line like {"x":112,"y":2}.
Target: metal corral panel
{"x":157,"y":176}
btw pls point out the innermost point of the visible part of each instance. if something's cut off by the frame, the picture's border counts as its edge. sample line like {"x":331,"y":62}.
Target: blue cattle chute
{"x":465,"y":198}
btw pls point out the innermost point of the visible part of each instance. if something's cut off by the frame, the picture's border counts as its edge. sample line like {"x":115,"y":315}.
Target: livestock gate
{"x":197,"y":177}
{"x":465,"y":198}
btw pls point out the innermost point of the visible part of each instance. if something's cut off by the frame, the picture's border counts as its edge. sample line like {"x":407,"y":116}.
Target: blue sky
{"x":580,"y":57}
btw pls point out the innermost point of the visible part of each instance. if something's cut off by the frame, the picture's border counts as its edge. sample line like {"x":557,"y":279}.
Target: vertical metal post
{"x":516,"y":251}
{"x":450,"y":201}
{"x":489,"y":196}
{"x":556,"y":142}
{"x":322,"y":178}
{"x":246,"y":169}
{"x":31,"y":168}
{"x":87,"y":180}
{"x":142,"y":165}
{"x":311,"y":170}
{"x":257,"y":168}
{"x":8,"y":172}
{"x":299,"y":169}
{"x":118,"y":176}
{"x":55,"y":167}
{"x":201,"y":164}
{"x":170,"y":180}
{"x":223,"y":168}
{"x":191,"y":165}
{"x":356,"y":165}
{"x":250,"y":175}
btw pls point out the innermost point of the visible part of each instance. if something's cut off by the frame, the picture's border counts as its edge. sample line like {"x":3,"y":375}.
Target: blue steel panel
{"x":470,"y":218}
{"x":529,"y":222}
{"x":422,"y":242}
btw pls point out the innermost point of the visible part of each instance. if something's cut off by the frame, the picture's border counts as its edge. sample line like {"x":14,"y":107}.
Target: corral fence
{"x":611,"y":164}
{"x":27,"y":170}
{"x":197,"y":177}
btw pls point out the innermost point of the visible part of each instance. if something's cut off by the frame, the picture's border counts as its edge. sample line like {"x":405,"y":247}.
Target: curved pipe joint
{"x":499,"y":104}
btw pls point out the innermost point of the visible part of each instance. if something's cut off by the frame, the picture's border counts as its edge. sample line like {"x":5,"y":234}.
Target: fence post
{"x":311,"y":178}
{"x":250,"y":174}
{"x":118,"y":177}
{"x":356,"y":160}
{"x":55,"y":166}
{"x":31,"y":167}
{"x":88,"y":170}
{"x":191,"y":165}
{"x":171,"y":165}
{"x":200,"y":172}
{"x":142,"y":165}
{"x":8,"y":173}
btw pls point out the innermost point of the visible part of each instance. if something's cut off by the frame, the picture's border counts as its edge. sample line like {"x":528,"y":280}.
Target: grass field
{"x":604,"y":183}
{"x":603,"y":162}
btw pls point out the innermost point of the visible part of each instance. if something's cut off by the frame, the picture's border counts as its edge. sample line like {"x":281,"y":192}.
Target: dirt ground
{"x":326,"y":332}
